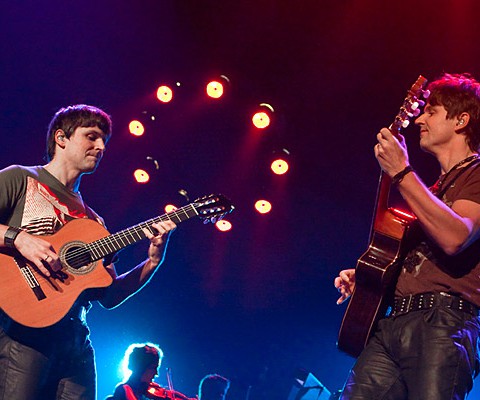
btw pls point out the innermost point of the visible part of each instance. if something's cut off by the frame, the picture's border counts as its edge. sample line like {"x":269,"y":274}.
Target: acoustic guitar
{"x":34,"y":300}
{"x":377,"y":269}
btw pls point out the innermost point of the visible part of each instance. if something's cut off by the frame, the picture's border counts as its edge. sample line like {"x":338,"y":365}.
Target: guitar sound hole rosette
{"x":76,"y":258}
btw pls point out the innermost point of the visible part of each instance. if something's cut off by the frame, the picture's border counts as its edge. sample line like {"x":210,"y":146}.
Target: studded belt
{"x":424,"y":301}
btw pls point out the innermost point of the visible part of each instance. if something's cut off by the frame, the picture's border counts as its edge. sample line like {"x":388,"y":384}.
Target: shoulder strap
{"x":474,"y":163}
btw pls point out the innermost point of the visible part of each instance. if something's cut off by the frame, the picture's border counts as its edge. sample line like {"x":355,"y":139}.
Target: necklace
{"x":435,"y":189}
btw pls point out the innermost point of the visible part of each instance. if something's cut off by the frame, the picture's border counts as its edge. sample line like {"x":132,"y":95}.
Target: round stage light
{"x":223,"y":225}
{"x":136,"y":128}
{"x":141,"y":176}
{"x":261,"y":120}
{"x":279,"y":167}
{"x":164,"y":94}
{"x":214,"y":89}
{"x":263,"y":206}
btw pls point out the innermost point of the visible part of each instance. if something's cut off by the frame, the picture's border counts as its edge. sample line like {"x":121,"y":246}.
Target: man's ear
{"x":462,"y":120}
{"x":60,"y":138}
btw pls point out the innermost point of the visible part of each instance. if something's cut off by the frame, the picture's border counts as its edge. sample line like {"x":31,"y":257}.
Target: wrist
{"x":10,"y":235}
{"x":397,"y":178}
{"x":154,"y":261}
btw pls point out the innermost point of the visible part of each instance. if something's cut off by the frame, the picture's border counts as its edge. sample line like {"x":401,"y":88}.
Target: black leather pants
{"x":61,"y":367}
{"x":423,"y":355}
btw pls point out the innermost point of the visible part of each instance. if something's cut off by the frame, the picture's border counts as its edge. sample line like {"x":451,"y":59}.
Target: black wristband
{"x":10,"y":236}
{"x":398,"y":177}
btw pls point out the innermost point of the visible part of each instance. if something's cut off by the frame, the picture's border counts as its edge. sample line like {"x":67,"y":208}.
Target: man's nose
{"x":419,"y":120}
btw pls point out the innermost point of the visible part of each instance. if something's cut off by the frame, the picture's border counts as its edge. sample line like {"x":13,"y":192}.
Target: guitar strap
{"x":475,"y":163}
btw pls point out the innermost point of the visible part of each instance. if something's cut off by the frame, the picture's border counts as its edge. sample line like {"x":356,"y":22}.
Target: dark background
{"x":256,"y":303}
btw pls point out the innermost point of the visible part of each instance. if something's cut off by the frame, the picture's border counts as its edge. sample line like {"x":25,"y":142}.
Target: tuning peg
{"x":405,"y":123}
{"x":415,"y":113}
{"x":426,"y":94}
{"x":416,"y":104}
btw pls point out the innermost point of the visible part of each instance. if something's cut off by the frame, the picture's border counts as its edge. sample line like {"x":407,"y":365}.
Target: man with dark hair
{"x":427,"y":347}
{"x":57,"y":361}
{"x":70,"y":118}
{"x":213,"y":387}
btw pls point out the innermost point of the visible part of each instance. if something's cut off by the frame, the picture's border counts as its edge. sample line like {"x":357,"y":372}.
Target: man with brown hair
{"x":427,"y":347}
{"x":57,"y":361}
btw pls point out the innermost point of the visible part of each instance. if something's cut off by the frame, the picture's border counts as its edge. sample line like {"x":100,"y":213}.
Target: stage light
{"x":214,"y":89}
{"x":169,"y":208}
{"x":261,"y":119}
{"x":136,"y":128}
{"x":164,"y":94}
{"x":141,"y":176}
{"x":263,"y":206}
{"x":223,"y":225}
{"x":279,"y":166}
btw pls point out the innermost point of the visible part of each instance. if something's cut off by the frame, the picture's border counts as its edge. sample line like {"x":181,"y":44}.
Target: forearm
{"x":449,"y":230}
{"x":128,"y":283}
{"x":132,"y":281}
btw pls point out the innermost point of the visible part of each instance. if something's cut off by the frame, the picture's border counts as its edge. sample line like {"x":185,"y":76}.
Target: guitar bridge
{"x":30,"y":278}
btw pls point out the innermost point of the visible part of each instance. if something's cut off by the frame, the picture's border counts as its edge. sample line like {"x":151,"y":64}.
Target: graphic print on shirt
{"x":44,"y":213}
{"x":415,"y":259}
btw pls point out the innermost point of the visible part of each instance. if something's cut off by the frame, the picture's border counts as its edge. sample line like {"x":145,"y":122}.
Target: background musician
{"x":213,"y":387}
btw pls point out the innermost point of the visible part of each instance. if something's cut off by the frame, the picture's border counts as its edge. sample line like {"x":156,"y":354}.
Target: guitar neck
{"x":408,"y":110}
{"x":113,"y":243}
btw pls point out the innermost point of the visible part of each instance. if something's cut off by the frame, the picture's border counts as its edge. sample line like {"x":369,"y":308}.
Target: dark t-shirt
{"x":427,"y":268}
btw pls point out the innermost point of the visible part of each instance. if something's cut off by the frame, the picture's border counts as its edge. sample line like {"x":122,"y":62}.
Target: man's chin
{"x":424,"y":147}
{"x":90,"y":170}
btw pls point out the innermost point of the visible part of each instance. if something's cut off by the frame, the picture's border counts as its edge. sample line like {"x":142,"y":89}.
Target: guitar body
{"x":376,"y":274}
{"x":377,"y":269}
{"x":28,"y":306}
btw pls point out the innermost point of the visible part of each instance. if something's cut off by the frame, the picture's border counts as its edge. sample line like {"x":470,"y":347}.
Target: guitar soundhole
{"x":76,"y":258}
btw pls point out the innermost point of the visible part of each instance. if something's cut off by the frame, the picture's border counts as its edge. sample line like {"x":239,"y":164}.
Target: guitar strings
{"x":78,"y":255}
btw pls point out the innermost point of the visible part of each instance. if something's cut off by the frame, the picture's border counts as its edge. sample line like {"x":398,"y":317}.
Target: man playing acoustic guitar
{"x":427,"y":346}
{"x":57,"y":361}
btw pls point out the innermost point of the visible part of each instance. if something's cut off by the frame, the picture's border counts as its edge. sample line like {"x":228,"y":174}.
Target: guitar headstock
{"x":213,"y":208}
{"x":411,"y":105}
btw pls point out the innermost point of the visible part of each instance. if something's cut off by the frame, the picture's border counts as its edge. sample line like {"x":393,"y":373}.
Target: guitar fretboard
{"x":113,"y":243}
